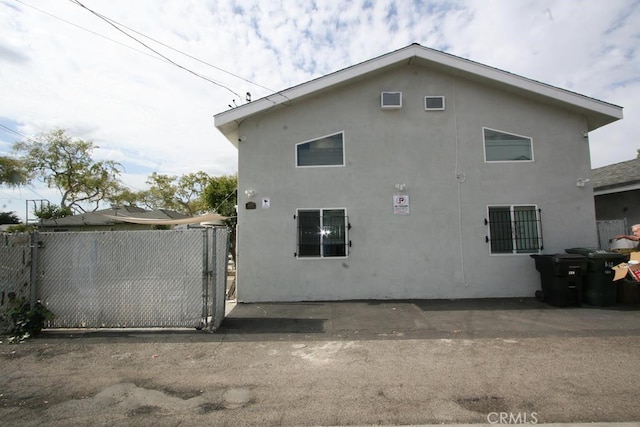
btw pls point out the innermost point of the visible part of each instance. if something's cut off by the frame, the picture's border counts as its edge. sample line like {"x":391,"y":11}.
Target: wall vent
{"x":432,"y":103}
{"x":390,"y":100}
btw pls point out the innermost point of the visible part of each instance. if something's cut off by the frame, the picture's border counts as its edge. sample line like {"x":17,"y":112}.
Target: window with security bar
{"x":322,"y":233}
{"x":514,"y":229}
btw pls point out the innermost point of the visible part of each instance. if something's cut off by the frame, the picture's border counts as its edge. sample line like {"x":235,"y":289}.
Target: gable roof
{"x":624,"y":176}
{"x":597,"y":113}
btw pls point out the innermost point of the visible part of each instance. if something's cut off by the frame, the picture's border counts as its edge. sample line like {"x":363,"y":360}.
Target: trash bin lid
{"x":561,"y":257}
{"x":595,"y":253}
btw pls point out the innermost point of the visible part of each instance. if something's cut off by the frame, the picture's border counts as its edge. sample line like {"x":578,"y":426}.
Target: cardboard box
{"x":629,"y":269}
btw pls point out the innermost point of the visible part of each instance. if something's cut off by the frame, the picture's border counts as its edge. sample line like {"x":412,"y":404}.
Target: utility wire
{"x":161,"y":58}
{"x":105,"y":19}
{"x":185,"y":54}
{"x":8,"y":129}
{"x":92,"y":32}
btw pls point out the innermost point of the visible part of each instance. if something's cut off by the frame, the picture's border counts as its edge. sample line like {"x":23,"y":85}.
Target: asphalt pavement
{"x":455,"y":362}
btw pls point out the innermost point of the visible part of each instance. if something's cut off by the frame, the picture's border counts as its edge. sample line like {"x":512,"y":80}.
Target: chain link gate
{"x":15,"y":272}
{"x":133,"y":279}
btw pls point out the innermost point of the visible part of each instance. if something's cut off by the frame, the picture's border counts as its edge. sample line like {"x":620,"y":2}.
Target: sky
{"x":144,"y":89}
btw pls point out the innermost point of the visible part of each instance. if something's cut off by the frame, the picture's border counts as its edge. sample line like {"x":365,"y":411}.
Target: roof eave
{"x":598,"y":113}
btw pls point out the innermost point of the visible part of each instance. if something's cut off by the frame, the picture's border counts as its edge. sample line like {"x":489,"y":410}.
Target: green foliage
{"x":20,"y":228}
{"x":52,"y":212}
{"x":66,"y":164}
{"x":12,"y":172}
{"x":221,"y":196}
{"x":26,"y":321}
{"x":9,"y":218}
{"x":181,"y":194}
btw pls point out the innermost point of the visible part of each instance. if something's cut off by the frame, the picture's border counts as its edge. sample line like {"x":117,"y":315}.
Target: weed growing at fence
{"x":26,"y":321}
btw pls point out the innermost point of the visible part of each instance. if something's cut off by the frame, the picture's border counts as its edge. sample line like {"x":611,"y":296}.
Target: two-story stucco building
{"x":416,"y":174}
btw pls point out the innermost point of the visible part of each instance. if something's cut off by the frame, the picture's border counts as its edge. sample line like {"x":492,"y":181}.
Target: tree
{"x":66,"y":164}
{"x":12,"y":172}
{"x":9,"y":218}
{"x":52,"y":211}
{"x":221,"y":196}
{"x":182,"y":194}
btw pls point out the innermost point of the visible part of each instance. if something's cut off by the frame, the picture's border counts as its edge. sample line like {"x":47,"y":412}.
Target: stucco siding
{"x":439,"y":250}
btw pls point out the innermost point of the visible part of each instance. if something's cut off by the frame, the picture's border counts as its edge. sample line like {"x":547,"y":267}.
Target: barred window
{"x":322,"y":233}
{"x":514,"y":229}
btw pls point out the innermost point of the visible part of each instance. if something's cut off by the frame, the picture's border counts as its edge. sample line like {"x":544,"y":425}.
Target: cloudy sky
{"x":61,"y":66}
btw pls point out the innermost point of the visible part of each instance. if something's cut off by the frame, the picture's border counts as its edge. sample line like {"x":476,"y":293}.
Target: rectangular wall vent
{"x":434,"y":103}
{"x":389,"y":100}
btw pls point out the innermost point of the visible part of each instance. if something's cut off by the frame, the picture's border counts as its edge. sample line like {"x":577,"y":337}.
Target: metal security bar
{"x":514,"y":229}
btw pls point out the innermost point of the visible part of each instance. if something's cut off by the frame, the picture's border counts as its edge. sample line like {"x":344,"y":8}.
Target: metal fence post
{"x":33,"y":279}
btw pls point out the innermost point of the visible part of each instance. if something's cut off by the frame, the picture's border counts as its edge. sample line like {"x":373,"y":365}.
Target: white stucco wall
{"x":439,"y":250}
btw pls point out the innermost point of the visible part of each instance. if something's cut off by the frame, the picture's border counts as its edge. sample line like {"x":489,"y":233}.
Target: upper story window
{"x":325,"y":151}
{"x":434,"y":103}
{"x":506,"y":147}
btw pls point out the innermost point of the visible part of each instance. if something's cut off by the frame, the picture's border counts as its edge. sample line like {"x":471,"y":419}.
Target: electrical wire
{"x":15,"y":132}
{"x":186,"y":54}
{"x":92,"y":32}
{"x":105,"y":19}
{"x":161,"y":58}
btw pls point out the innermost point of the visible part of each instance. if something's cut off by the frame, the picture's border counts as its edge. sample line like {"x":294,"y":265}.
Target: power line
{"x":186,"y":54}
{"x":108,"y":21}
{"x":8,"y":129}
{"x":92,"y":32}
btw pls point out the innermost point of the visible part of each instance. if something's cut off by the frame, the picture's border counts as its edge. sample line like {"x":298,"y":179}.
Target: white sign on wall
{"x":400,"y":204}
{"x":266,"y":203}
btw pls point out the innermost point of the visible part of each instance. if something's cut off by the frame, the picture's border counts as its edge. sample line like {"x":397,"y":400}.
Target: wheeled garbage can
{"x":561,"y":277}
{"x":598,"y":288}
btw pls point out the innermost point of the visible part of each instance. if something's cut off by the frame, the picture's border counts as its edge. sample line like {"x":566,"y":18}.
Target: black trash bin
{"x":599,"y":288}
{"x":561,"y":276}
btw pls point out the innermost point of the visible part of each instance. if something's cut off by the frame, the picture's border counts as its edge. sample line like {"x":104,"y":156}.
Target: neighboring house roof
{"x":106,"y":217}
{"x":597,"y":113}
{"x":624,"y":176}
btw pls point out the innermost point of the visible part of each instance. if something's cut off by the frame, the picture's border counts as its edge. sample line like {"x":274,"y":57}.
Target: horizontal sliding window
{"x":325,"y":151}
{"x":322,"y":233}
{"x":506,"y":147}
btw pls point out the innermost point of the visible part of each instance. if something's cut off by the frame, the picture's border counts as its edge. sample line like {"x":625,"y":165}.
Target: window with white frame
{"x":501,"y":146}
{"x":325,"y":151}
{"x":322,"y":233}
{"x":434,"y":103}
{"x":514,"y":229}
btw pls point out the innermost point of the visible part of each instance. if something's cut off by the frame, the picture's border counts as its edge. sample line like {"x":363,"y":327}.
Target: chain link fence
{"x":129,"y":279}
{"x":15,"y":273}
{"x":609,"y":229}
